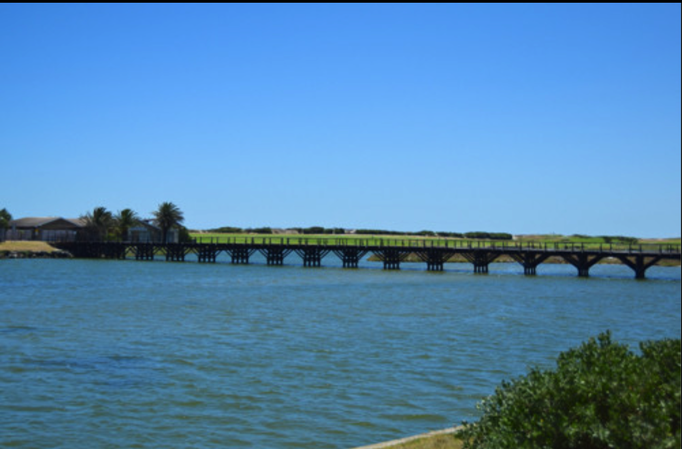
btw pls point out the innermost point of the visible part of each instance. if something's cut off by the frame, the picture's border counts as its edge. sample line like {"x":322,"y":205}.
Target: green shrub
{"x":183,"y":234}
{"x":501,"y":236}
{"x":620,"y":239}
{"x":450,"y":234}
{"x":426,"y":233}
{"x":377,"y":232}
{"x":601,"y":395}
{"x":477,"y":235}
{"x":264,"y":230}
{"x":227,"y":230}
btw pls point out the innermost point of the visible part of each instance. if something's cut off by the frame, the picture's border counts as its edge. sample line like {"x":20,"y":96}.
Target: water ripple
{"x":133,"y":354}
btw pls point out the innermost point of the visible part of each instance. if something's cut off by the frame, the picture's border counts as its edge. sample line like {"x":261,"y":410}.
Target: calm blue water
{"x":155,"y":354}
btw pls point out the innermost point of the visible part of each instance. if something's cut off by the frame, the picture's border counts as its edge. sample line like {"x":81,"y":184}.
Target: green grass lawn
{"x":551,"y":241}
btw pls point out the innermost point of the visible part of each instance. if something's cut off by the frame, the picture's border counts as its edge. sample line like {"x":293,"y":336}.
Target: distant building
{"x":48,"y":229}
{"x":57,"y":229}
{"x":147,"y":232}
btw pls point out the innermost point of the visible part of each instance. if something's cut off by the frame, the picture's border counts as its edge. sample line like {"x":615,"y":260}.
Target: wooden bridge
{"x":435,"y":253}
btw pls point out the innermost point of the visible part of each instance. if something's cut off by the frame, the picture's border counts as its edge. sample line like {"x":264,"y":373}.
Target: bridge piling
{"x":480,"y":259}
{"x":639,"y":265}
{"x":175,"y":252}
{"x":435,"y":258}
{"x":391,"y":257}
{"x":207,"y":253}
{"x":530,"y":261}
{"x":312,"y":256}
{"x":144,"y":251}
{"x":274,"y":255}
{"x":582,"y":261}
{"x":350,"y":257}
{"x":241,"y":255}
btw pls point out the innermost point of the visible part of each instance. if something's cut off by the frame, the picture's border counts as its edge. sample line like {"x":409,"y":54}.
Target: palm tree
{"x":167,"y":216}
{"x":5,"y":218}
{"x":98,"y":222}
{"x":125,"y":219}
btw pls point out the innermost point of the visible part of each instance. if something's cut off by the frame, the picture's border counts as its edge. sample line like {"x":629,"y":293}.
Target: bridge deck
{"x":435,"y":253}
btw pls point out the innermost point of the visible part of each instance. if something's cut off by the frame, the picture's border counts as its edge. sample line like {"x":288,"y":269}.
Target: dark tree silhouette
{"x":167,"y":216}
{"x":125,"y":219}
{"x":98,"y":222}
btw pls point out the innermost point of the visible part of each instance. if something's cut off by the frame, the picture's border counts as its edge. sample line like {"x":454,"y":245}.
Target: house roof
{"x":78,"y":221}
{"x":147,"y":223}
{"x":39,"y":222}
{"x":32,"y":222}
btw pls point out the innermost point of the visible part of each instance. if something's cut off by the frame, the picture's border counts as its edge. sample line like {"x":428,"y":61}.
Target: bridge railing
{"x":381,"y":242}
{"x":407,"y":243}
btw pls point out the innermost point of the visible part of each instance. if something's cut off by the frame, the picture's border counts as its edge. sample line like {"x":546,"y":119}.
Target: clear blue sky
{"x":506,"y":118}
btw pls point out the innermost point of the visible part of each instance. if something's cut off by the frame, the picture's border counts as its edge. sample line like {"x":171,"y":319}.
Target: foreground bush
{"x":601,"y":395}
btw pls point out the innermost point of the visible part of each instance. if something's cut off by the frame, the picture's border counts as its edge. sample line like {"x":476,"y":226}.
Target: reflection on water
{"x":147,"y":354}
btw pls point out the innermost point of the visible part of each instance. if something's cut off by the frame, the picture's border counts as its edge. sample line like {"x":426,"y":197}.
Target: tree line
{"x":269,"y":230}
{"x":322,"y":230}
{"x":426,"y":233}
{"x":103,"y":224}
{"x":611,"y":238}
{"x":481,"y":235}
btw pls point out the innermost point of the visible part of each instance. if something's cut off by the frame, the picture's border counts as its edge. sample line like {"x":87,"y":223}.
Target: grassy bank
{"x":30,"y":250}
{"x":23,"y":246}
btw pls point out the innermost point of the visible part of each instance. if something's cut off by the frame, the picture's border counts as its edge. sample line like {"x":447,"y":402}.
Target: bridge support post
{"x":350,"y":262}
{"x":529,"y":261}
{"x":582,"y":261}
{"x":175,"y":252}
{"x":144,"y":251}
{"x":480,"y":260}
{"x":434,"y":266}
{"x":391,"y":257}
{"x":241,"y":255}
{"x":275,"y":255}
{"x":434,"y":258}
{"x":207,"y":254}
{"x":350,"y":257}
{"x":639,"y":265}
{"x":312,"y":257}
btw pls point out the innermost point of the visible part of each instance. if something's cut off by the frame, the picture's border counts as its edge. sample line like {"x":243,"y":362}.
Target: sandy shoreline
{"x":388,"y":444}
